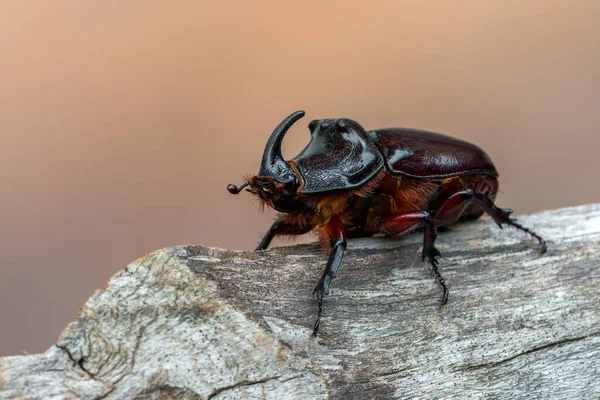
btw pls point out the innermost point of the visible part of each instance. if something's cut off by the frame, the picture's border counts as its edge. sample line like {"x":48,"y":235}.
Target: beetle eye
{"x":289,"y":188}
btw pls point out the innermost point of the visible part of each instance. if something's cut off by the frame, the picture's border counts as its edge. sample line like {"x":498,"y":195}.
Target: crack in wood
{"x":79,"y":362}
{"x":530,"y":351}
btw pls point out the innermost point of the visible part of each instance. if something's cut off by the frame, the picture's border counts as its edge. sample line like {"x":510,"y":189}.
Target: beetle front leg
{"x":334,"y":231}
{"x":282,"y":226}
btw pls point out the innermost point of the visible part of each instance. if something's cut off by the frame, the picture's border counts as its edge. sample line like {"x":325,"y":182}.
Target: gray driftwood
{"x":191,"y":322}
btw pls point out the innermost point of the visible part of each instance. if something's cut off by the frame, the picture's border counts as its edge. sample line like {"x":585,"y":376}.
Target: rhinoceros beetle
{"x":350,"y":183}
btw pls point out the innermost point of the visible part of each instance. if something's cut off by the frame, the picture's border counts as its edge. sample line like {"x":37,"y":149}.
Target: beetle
{"x":350,"y":183}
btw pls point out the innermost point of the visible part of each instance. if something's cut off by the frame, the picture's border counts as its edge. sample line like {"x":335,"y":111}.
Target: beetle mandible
{"x":350,"y":183}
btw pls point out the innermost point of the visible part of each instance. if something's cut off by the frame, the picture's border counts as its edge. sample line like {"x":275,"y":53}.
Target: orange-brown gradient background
{"x":122,"y":122}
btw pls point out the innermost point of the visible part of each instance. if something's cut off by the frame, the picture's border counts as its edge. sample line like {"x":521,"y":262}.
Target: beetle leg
{"x":448,"y":213}
{"x":282,"y":226}
{"x":455,"y":205}
{"x":452,"y":209}
{"x":334,"y":231}
{"x":402,"y":224}
{"x":502,"y":216}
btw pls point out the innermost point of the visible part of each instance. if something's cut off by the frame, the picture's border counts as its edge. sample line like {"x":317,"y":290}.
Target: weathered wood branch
{"x":192,"y":322}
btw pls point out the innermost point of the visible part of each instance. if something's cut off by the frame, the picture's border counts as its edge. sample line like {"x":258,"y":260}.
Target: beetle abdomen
{"x":399,"y":195}
{"x":423,"y":154}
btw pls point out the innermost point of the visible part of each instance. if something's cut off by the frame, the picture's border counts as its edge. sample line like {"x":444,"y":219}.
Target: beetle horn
{"x":273,"y":164}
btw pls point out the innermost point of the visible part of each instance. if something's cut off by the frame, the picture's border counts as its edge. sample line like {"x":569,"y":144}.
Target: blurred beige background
{"x":122,"y":122}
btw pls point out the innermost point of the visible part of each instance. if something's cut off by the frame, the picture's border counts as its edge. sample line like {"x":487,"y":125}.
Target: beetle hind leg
{"x":502,"y":216}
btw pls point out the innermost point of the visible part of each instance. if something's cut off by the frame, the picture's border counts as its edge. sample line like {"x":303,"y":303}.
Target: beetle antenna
{"x":234,"y":189}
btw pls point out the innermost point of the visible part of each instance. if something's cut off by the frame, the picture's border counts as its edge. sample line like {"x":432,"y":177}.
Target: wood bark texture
{"x":192,"y":322}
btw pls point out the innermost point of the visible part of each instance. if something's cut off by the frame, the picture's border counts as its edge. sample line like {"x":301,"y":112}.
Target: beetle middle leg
{"x":334,"y":231}
{"x":402,"y":224}
{"x":448,"y":213}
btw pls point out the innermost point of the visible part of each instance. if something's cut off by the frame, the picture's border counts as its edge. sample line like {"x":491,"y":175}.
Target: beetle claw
{"x":444,"y":299}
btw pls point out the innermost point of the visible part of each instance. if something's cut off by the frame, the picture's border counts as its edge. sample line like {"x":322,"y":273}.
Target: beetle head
{"x":276,"y":183}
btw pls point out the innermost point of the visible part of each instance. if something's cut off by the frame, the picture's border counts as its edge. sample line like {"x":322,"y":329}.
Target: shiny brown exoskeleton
{"x":350,"y":183}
